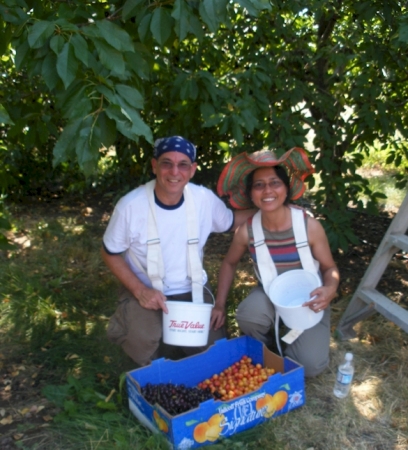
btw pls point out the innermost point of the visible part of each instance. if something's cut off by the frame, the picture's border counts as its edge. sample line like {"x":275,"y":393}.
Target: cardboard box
{"x":214,"y":420}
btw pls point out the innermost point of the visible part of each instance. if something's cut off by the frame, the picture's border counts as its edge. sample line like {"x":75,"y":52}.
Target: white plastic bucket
{"x":288,"y":292}
{"x":187,"y":324}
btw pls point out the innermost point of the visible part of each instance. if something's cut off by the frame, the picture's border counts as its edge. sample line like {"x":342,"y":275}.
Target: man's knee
{"x":137,"y":330}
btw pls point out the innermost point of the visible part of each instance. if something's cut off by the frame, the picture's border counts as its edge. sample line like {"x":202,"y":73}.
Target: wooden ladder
{"x":366,"y":299}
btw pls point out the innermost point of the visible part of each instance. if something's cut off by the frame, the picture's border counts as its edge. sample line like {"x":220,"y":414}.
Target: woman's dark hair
{"x":280,"y":173}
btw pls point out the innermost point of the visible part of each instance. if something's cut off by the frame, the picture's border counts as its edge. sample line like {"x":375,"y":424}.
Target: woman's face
{"x":268,"y":191}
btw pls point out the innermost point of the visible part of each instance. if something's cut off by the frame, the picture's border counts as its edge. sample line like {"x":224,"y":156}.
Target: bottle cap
{"x":349,"y":356}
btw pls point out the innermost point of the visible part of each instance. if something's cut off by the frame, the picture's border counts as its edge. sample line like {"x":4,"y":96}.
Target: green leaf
{"x":123,"y":124}
{"x":57,"y":44}
{"x":129,"y":122}
{"x":250,"y":120}
{"x":65,"y":11}
{"x":87,"y":147}
{"x":66,"y":26}
{"x":131,"y":95}
{"x":181,"y":15}
{"x":236,"y":130}
{"x":4,"y":116}
{"x":138,"y":65}
{"x":213,"y":12}
{"x":255,"y":6}
{"x":161,"y":24}
{"x":39,"y":33}
{"x":80,"y":48}
{"x":66,"y":142}
{"x":109,"y":57}
{"x":189,"y":89}
{"x":67,"y":65}
{"x":144,"y":27}
{"x":139,"y":127}
{"x":108,"y":93}
{"x":76,"y":103}
{"x":117,"y":37}
{"x":130,"y":8}
{"x":196,"y":27}
{"x":22,"y":52}
{"x":49,"y":72}
{"x":16,"y":16}
{"x":403,"y":32}
{"x":107,"y":130}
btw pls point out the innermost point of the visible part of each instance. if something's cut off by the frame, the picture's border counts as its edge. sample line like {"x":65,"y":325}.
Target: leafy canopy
{"x":81,"y":76}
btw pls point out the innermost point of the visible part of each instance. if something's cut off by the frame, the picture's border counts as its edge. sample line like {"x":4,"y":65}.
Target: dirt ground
{"x":25,"y":415}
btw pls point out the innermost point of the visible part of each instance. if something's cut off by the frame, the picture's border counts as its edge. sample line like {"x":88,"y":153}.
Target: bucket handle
{"x":209,"y":291}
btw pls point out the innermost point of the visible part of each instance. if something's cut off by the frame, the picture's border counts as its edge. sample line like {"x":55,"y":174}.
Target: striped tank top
{"x":281,"y":246}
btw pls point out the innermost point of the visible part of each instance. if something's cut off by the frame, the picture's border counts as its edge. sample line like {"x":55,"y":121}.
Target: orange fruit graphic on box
{"x":162,"y":424}
{"x":216,"y":420}
{"x":272,"y":403}
{"x":266,"y":402}
{"x":200,"y":432}
{"x":279,"y":400}
{"x":210,"y":430}
{"x":213,"y":433}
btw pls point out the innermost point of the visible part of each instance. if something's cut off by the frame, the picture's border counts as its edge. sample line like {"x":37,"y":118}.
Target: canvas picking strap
{"x":155,"y":265}
{"x":195,"y":266}
{"x":302,"y":243}
{"x":266,"y":266}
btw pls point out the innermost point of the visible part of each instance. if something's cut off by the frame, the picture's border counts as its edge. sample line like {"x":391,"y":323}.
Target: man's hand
{"x":152,"y":299}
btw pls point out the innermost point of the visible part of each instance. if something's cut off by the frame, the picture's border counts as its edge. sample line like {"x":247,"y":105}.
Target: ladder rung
{"x":386,"y":307}
{"x":399,"y":240}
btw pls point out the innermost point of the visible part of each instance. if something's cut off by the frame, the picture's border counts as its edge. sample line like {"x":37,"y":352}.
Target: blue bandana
{"x":174,"y":144}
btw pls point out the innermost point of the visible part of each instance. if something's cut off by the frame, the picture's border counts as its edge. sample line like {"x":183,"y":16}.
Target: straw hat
{"x":232,"y":181}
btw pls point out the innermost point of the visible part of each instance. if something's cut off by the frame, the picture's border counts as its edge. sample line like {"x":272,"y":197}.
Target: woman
{"x":268,"y":183}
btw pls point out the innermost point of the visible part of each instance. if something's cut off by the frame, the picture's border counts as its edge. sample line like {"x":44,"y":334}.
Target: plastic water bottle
{"x":344,"y":377}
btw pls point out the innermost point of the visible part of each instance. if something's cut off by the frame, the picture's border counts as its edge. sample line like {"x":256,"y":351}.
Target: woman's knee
{"x":257,"y":331}
{"x":256,"y":308}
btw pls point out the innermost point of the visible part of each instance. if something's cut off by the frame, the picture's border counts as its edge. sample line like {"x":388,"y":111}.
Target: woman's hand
{"x":320,"y":298}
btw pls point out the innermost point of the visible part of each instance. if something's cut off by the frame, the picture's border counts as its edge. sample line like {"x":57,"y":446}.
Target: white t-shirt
{"x":127,"y":230}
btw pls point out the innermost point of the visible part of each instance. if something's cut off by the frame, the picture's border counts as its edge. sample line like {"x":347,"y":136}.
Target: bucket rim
{"x":281,"y":278}
{"x":188,"y":303}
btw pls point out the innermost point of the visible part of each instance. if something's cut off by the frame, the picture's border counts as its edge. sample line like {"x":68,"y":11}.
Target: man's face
{"x":173,"y":171}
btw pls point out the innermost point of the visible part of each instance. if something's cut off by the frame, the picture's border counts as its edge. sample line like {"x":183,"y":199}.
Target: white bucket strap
{"x":302,"y":243}
{"x":195,"y":266}
{"x":155,"y":265}
{"x":267,"y":268}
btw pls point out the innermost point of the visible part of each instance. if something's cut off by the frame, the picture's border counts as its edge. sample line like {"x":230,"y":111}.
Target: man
{"x":154,"y":246}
